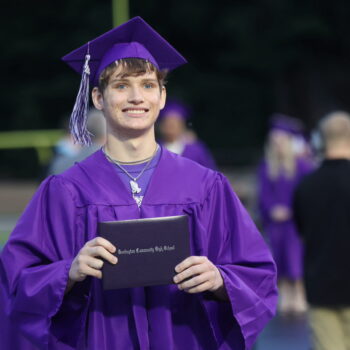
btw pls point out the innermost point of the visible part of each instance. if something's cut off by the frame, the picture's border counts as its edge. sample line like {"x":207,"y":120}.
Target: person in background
{"x":278,"y":174}
{"x":302,"y":147}
{"x":65,"y":146}
{"x":322,"y":214}
{"x":96,"y":125}
{"x":177,"y":138}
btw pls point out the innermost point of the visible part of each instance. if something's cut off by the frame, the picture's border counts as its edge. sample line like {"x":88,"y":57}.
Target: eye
{"x":149,"y":85}
{"x":121,"y":86}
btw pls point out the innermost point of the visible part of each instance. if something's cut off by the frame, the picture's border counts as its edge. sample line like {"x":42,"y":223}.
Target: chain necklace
{"x":136,"y":161}
{"x":135,"y":188}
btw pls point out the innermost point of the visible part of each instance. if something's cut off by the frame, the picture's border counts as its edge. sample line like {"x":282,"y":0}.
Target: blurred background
{"x":247,"y":60}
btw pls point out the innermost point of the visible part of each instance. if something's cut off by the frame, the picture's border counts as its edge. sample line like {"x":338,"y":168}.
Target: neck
{"x":130,"y":149}
{"x":338,"y":153}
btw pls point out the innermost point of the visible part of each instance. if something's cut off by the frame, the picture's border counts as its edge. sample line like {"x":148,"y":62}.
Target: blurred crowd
{"x":304,"y":205}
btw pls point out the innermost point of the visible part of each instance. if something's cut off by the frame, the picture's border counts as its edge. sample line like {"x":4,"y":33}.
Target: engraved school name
{"x":152,"y":250}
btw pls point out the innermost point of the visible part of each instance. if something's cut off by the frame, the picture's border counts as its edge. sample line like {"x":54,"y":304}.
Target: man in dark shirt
{"x":322,"y":214}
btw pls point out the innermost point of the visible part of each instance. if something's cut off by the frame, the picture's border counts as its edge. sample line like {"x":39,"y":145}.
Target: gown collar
{"x":162,"y":188}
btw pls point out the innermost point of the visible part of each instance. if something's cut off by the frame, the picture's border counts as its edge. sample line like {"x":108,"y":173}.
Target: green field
{"x":3,"y":237}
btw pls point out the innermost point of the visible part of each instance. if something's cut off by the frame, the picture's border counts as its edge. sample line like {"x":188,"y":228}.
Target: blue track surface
{"x":285,"y":334}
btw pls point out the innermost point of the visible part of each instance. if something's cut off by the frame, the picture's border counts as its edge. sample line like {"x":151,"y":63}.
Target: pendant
{"x":134,"y":187}
{"x":138,"y":200}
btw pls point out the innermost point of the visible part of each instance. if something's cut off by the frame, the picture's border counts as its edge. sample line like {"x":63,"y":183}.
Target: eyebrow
{"x":116,"y":79}
{"x":150,"y":80}
{"x":123,"y":79}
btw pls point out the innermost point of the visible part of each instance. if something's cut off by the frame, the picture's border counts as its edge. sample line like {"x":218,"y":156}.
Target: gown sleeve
{"x":34,"y":267}
{"x":236,"y":247}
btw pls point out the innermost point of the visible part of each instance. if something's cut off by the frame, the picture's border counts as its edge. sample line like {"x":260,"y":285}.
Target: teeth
{"x":136,"y":111}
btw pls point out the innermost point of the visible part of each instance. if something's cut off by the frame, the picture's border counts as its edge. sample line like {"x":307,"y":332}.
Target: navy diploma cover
{"x":147,"y":249}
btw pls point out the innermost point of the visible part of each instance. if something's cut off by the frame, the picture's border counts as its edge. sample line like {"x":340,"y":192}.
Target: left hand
{"x":198,"y":274}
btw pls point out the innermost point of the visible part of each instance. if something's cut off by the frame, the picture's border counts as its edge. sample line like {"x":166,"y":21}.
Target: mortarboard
{"x":133,"y":39}
{"x":286,"y":123}
{"x":175,"y":107}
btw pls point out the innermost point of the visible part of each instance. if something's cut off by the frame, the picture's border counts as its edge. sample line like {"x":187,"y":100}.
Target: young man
{"x":222,"y":295}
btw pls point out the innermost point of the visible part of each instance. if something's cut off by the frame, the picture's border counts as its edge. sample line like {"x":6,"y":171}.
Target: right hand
{"x":88,"y":262}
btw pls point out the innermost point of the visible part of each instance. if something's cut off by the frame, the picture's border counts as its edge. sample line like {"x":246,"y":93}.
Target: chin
{"x":135,"y":131}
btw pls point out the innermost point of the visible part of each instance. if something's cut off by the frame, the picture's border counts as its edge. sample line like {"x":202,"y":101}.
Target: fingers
{"x":89,"y":261}
{"x":200,"y":283}
{"x":94,"y":263}
{"x":197,"y":274}
{"x":199,"y":289}
{"x":192,"y":260}
{"x":84,"y":260}
{"x":100,"y":247}
{"x":89,"y":271}
{"x":190,"y":272}
{"x":100,"y":241}
{"x":99,"y":251}
{"x":83,"y":266}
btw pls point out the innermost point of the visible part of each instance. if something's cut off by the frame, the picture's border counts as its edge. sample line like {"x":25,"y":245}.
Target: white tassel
{"x":78,"y":119}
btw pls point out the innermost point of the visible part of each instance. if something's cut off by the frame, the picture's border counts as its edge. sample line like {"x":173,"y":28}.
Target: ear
{"x":162,"y":98}
{"x":97,"y":98}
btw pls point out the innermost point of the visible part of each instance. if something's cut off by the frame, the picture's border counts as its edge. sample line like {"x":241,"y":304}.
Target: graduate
{"x":278,"y":174}
{"x":176,"y":137}
{"x":223,"y":294}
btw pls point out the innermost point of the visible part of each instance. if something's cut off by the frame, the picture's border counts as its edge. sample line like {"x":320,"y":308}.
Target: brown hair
{"x":280,"y":163}
{"x":131,"y":67}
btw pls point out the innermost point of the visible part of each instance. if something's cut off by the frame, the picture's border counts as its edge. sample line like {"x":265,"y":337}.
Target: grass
{"x":3,"y":238}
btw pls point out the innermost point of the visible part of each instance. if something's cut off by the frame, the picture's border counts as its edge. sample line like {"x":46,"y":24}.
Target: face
{"x":280,"y":140}
{"x":131,"y":104}
{"x":172,"y":127}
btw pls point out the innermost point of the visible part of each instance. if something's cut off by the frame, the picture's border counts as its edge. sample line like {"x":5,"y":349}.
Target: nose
{"x":135,"y":95}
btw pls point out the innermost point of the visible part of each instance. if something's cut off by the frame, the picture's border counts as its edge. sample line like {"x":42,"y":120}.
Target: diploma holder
{"x":147,"y":250}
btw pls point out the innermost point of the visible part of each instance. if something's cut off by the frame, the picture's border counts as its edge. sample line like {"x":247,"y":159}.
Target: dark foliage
{"x":248,"y":59}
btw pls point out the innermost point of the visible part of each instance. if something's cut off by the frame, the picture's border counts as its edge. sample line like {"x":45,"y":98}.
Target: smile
{"x":135,"y":111}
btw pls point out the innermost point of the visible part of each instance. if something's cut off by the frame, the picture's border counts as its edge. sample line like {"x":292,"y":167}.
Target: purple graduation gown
{"x":198,"y":152}
{"x":283,"y":237}
{"x":63,"y":215}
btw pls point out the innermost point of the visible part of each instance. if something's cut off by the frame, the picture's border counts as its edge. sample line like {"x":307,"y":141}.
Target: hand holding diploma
{"x":198,"y":274}
{"x":89,"y":261}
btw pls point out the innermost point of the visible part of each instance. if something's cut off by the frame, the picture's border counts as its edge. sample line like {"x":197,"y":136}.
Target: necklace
{"x":134,"y":162}
{"x":135,"y":188}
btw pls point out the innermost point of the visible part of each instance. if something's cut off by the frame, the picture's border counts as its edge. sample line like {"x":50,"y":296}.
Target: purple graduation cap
{"x":133,"y":39}
{"x":175,"y":107}
{"x":285,"y":123}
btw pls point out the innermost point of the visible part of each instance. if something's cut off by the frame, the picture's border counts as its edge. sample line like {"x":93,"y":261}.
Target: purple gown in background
{"x":63,"y":215}
{"x":283,"y":237}
{"x":198,"y":152}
